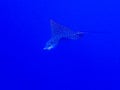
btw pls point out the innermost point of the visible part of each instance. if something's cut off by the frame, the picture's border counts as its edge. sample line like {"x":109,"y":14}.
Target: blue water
{"x":90,"y":63}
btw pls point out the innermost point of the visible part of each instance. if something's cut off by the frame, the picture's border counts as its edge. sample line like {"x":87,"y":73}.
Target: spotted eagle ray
{"x":59,"y":32}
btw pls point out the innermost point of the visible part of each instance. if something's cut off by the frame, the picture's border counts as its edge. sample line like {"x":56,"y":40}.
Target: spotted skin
{"x":59,"y":32}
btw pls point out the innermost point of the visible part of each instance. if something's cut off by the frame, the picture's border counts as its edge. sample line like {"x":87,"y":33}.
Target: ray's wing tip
{"x":52,"y":21}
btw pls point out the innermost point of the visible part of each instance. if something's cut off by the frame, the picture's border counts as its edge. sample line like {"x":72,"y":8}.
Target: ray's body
{"x":59,"y":32}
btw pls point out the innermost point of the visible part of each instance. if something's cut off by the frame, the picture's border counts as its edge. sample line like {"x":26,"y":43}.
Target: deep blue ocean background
{"x":90,"y":63}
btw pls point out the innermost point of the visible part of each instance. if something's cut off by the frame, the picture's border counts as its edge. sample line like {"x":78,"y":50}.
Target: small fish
{"x":59,"y":32}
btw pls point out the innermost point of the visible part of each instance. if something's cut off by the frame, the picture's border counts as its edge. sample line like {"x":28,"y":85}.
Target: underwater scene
{"x":60,"y":45}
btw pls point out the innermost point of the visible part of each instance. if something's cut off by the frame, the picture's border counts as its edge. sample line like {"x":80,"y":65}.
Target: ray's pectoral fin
{"x":58,"y":29}
{"x":64,"y":32}
{"x":55,"y":28}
